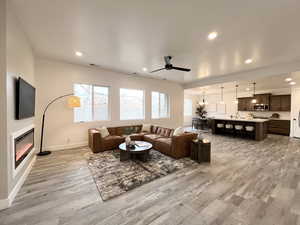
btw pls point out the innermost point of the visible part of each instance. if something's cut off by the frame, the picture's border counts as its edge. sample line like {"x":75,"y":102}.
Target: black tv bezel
{"x":18,"y":116}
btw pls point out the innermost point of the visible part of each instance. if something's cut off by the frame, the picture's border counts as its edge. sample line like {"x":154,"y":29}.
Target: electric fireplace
{"x":23,"y":145}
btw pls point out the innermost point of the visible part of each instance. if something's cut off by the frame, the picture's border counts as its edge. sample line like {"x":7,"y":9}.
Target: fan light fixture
{"x":254,"y":99}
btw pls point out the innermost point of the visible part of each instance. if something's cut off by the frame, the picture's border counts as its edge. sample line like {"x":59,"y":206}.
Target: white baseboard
{"x":68,"y":146}
{"x":6,"y":203}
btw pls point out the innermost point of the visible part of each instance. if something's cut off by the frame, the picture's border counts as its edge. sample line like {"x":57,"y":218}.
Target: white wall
{"x":231,"y":107}
{"x":195,"y":100}
{"x":3,"y":128}
{"x":20,"y":62}
{"x":55,"y":78}
{"x":295,"y":107}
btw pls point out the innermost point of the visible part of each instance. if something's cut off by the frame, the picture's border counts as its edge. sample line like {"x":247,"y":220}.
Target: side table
{"x":201,"y":150}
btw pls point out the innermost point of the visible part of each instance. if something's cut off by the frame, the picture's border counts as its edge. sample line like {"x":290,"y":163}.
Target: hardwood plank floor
{"x":247,"y":183}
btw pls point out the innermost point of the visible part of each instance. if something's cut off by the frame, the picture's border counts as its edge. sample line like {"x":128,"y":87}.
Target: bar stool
{"x":229,"y":128}
{"x":238,"y":130}
{"x":250,"y":131}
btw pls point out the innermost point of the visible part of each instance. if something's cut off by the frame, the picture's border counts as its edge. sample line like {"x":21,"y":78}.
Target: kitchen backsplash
{"x":283,"y":115}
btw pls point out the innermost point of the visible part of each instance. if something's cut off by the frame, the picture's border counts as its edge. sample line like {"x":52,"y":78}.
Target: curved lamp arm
{"x":54,"y":100}
{"x":41,"y":153}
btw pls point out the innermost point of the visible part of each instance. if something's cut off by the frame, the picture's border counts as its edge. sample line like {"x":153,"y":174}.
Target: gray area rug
{"x":114,"y":178}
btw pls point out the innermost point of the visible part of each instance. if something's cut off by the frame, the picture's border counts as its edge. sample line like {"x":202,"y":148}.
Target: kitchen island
{"x":256,"y":129}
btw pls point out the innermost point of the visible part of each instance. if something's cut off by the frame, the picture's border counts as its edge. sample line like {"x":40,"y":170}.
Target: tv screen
{"x":25,"y":99}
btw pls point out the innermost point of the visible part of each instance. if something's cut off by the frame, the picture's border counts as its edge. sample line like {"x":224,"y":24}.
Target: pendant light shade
{"x":254,"y":101}
{"x":236,"y":101}
{"x":204,"y":102}
{"x":222,"y":99}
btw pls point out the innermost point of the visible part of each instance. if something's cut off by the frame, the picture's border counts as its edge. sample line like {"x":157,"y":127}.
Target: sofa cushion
{"x":146,"y":128}
{"x":151,"y":137}
{"x":104,"y":132}
{"x":137,"y":137}
{"x":163,"y":144}
{"x":178,"y":131}
{"x":112,"y":142}
{"x":154,"y":129}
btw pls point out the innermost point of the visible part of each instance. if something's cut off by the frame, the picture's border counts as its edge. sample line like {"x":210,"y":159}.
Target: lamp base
{"x":44,"y":153}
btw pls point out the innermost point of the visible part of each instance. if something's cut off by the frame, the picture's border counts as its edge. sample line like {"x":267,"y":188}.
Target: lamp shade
{"x":74,"y":102}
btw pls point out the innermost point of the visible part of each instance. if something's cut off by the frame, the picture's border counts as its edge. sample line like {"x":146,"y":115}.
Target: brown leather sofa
{"x":161,"y":138}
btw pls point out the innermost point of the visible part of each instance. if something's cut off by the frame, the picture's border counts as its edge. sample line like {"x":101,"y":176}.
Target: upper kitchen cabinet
{"x":275,"y":103}
{"x":280,"y":103}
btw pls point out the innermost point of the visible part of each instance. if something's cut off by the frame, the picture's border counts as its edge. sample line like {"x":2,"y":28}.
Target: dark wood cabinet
{"x":279,"y":127}
{"x":275,"y":102}
{"x":245,"y":104}
{"x":280,"y":103}
{"x":285,"y":103}
{"x":263,"y":99}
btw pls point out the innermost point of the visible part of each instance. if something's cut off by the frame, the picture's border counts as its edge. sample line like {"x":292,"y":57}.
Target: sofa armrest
{"x":181,"y":145}
{"x":95,"y":140}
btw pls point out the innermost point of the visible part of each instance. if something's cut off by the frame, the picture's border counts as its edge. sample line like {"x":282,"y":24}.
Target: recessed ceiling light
{"x":247,"y":89}
{"x":288,"y":79}
{"x":78,"y":53}
{"x":248,"y":61}
{"x":212,"y":35}
{"x":145,"y":69}
{"x":292,"y":83}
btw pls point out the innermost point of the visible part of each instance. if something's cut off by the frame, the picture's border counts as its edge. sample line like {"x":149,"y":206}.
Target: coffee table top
{"x":139,"y":146}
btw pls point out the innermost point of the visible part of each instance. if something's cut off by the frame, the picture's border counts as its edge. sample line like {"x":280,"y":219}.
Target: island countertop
{"x":241,"y":119}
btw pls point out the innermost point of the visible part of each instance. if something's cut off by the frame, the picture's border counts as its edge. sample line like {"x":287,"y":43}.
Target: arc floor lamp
{"x":73,"y":102}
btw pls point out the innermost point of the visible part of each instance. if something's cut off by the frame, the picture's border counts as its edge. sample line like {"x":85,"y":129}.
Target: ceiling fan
{"x":169,"y":66}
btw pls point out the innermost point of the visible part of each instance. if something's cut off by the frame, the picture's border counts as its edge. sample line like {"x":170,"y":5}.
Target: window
{"x":160,"y":105}
{"x":188,"y":107}
{"x":132,"y":105}
{"x":94,"y":102}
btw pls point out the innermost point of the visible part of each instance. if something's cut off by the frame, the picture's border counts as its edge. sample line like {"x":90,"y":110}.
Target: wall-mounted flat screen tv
{"x":25,"y":99}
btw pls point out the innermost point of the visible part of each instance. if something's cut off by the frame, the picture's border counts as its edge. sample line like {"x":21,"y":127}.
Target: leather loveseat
{"x":161,"y":138}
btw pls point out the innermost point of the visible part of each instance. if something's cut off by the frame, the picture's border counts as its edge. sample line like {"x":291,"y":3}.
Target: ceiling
{"x":264,"y":84}
{"x":129,"y":35}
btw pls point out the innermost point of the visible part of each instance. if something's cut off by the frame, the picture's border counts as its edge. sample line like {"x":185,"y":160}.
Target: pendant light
{"x":236,"y":101}
{"x":254,"y":99}
{"x":222,"y":100}
{"x":203,"y":100}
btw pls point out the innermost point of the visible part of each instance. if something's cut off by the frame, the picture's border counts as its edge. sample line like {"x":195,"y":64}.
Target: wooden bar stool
{"x":250,"y":131}
{"x":239,"y":130}
{"x":229,"y":128}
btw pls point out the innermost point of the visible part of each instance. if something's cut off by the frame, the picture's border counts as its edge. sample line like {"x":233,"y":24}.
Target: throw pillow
{"x":146,"y":128}
{"x":104,"y":132}
{"x":178,"y":131}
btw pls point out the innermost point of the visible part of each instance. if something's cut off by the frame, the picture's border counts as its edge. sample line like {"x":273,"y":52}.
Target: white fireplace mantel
{"x":13,"y":137}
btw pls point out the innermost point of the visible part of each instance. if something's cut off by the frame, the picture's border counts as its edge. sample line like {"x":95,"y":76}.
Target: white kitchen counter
{"x":241,"y":120}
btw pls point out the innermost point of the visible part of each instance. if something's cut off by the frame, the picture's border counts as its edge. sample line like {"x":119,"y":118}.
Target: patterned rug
{"x":114,"y":178}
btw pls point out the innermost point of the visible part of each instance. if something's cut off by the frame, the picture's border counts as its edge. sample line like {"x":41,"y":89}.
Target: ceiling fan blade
{"x":181,"y":69}
{"x":154,"y":71}
{"x":168,"y":59}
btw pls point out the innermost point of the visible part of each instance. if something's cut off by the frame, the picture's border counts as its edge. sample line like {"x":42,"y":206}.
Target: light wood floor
{"x":248,"y":182}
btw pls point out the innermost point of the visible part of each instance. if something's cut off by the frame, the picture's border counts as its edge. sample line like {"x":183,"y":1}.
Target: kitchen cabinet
{"x":276,"y":103}
{"x":280,"y":103}
{"x":279,"y":127}
{"x":245,"y":104}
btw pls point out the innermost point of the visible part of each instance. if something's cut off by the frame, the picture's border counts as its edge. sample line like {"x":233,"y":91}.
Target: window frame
{"x":191,"y":100}
{"x":144,"y":104}
{"x":93,"y":107}
{"x":159,"y":110}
